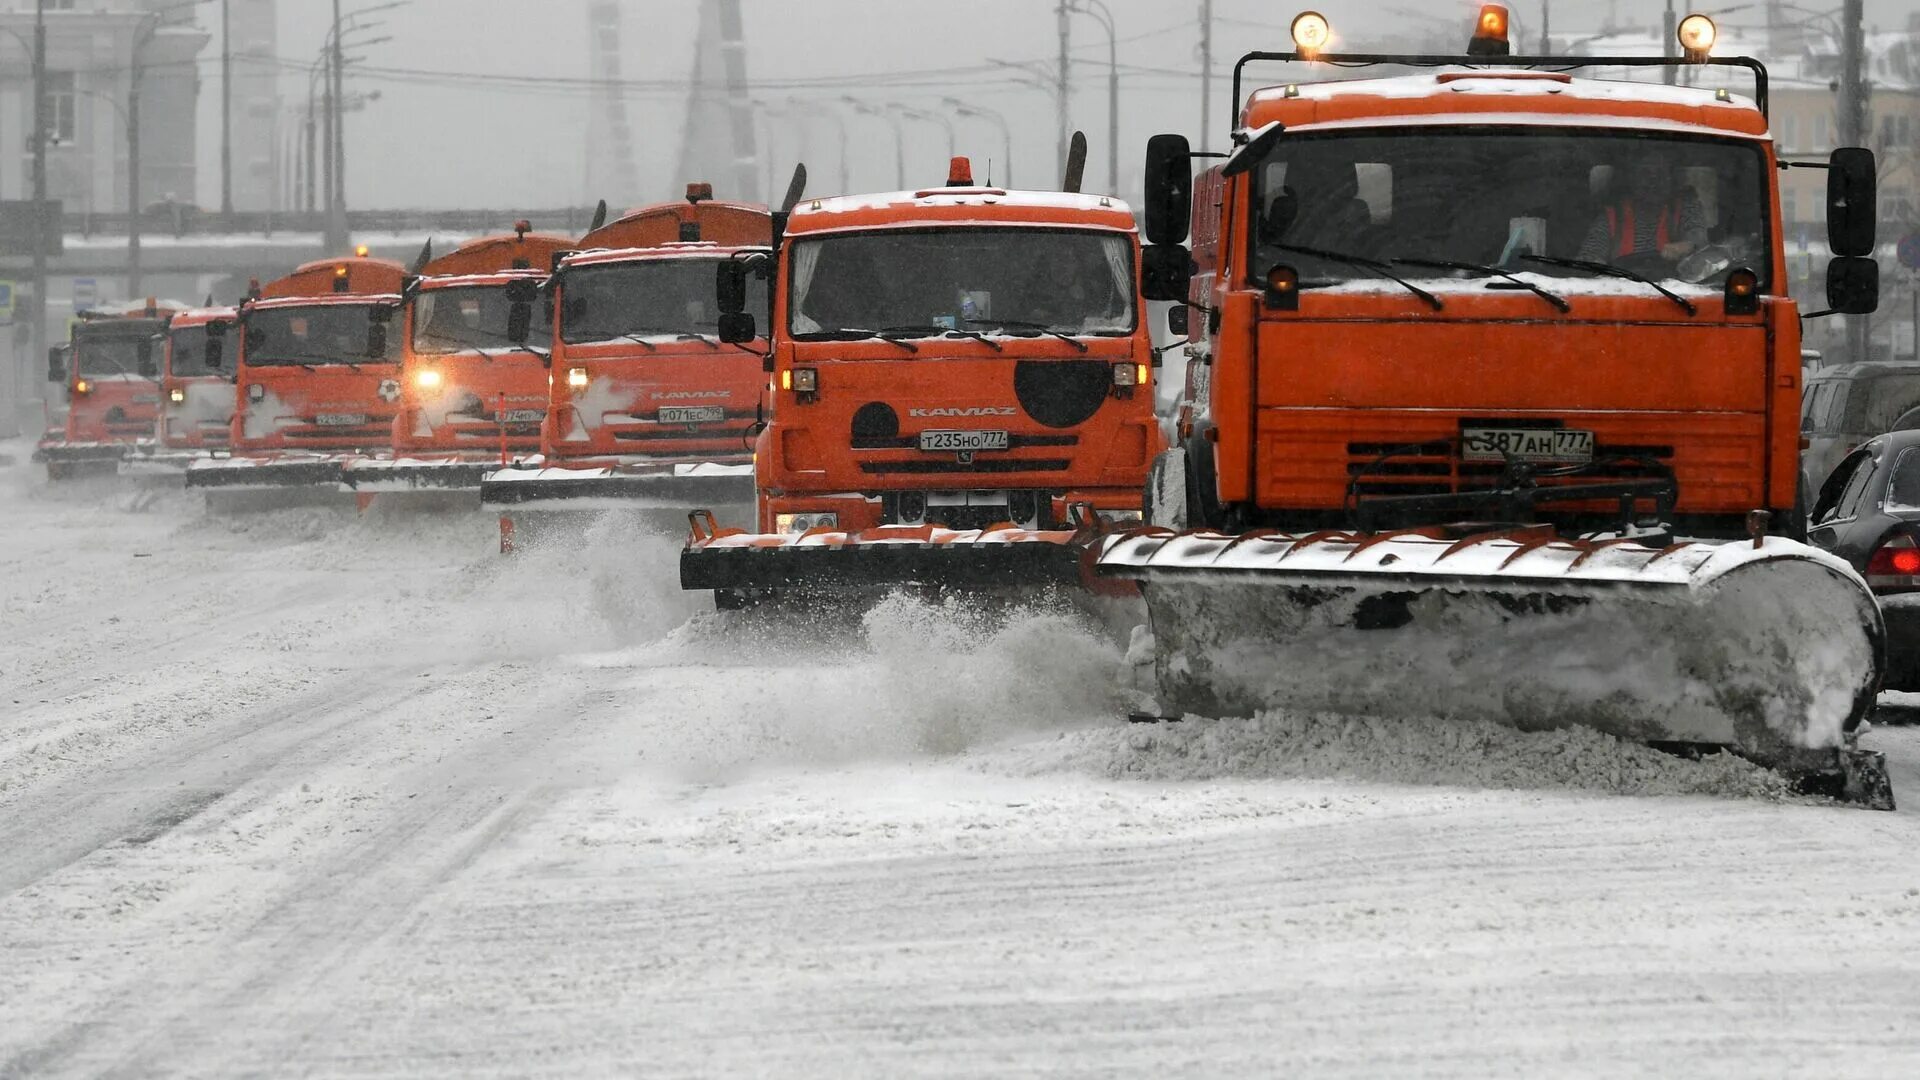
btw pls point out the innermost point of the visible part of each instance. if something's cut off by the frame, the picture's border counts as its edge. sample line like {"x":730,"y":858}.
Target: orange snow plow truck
{"x":196,"y":400}
{"x":316,"y":378}
{"x":1497,"y":397}
{"x":647,"y":407}
{"x":473,"y":365}
{"x":111,"y":374}
{"x":961,"y":394}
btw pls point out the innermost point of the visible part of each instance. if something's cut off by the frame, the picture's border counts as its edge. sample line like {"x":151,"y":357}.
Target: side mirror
{"x":730,"y":290}
{"x":1178,"y":323}
{"x":376,"y":341}
{"x":210,"y":353}
{"x":1852,"y":202}
{"x":57,"y":364}
{"x":1169,"y":189}
{"x":1166,"y":271}
{"x":143,"y":359}
{"x":1853,"y":286}
{"x":737,"y":327}
{"x":522,"y":291}
{"x":256,"y":339}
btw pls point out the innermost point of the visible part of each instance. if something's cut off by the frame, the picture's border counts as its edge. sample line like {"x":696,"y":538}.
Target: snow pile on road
{"x":1461,"y":753}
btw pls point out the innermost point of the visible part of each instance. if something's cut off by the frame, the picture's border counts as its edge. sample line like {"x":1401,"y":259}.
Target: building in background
{"x":258,"y":169}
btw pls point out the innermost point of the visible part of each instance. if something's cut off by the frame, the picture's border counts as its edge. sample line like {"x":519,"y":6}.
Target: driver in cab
{"x":1657,"y":217}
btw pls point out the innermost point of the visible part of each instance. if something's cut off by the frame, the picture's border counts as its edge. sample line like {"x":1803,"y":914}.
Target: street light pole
{"x":1064,"y":87}
{"x":1099,"y":10}
{"x":37,"y":310}
{"x":840,"y":127}
{"x":226,"y":109}
{"x":337,"y":238}
{"x":1853,"y":132}
{"x":899,"y":137}
{"x":960,"y":108}
{"x":953,"y":141}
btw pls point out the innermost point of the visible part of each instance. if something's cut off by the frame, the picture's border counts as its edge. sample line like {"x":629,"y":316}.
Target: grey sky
{"x":431,"y":145}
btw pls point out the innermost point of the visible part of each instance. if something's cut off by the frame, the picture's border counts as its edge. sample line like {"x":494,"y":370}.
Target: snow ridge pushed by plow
{"x":1459,"y":753}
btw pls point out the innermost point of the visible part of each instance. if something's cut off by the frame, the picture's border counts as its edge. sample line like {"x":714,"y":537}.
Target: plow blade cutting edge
{"x":403,"y":475}
{"x":827,"y":562}
{"x":1771,"y":649}
{"x":676,"y":487}
{"x":247,"y":473}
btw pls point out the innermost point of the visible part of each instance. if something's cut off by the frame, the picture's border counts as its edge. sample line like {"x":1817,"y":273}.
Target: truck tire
{"x":1203,"y":494}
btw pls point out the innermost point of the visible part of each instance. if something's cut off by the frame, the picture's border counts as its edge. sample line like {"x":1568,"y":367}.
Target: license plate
{"x":692,"y":414}
{"x":523,"y":416}
{"x":963,"y":441}
{"x":340,"y":419}
{"x":1525,"y":444}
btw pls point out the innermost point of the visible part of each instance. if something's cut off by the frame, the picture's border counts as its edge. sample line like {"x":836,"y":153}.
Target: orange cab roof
{"x":703,"y":250}
{"x":508,"y":251}
{"x":202,"y":316}
{"x":364,"y":276}
{"x":739,"y":224}
{"x":961,"y":206}
{"x":1482,"y":96}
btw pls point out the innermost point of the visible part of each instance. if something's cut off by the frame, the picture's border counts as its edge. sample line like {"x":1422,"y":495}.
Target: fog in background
{"x":440,"y":138}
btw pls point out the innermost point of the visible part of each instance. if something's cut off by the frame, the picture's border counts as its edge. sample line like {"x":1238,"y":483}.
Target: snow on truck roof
{"x":1461,"y":95}
{"x":685,"y":250}
{"x":961,"y":206}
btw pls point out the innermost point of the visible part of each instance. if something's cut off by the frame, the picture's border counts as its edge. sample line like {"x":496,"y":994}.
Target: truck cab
{"x":1493,"y":295}
{"x":196,"y":397}
{"x":317,"y":369}
{"x":474,"y":363}
{"x":958,"y":356}
{"x":640,"y":375}
{"x":111,"y":375}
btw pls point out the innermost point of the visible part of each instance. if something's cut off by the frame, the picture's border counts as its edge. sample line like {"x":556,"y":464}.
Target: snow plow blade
{"x":403,"y":475}
{"x":267,"y":473}
{"x":827,"y":562}
{"x":678,"y":487}
{"x":70,"y":461}
{"x":1768,"y":649}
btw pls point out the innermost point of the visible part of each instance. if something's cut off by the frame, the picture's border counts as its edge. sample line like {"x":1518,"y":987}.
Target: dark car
{"x":1868,"y":513}
{"x":1845,"y":405}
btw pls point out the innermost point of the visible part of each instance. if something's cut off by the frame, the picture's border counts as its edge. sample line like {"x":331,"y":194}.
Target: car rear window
{"x":1903,"y":490}
{"x":1876,"y":403}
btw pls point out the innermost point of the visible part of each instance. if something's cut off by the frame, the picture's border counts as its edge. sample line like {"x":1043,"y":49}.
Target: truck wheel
{"x":1166,"y":496}
{"x":1203,"y":494}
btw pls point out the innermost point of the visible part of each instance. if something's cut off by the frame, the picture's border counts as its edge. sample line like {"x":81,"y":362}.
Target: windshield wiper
{"x":1378,"y":266}
{"x":1610,"y":270}
{"x":1037,"y":328}
{"x":853,"y":333}
{"x":941,"y":331}
{"x":1559,"y":302}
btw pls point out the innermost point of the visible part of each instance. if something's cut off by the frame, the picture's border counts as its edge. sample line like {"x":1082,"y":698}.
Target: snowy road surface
{"x":301,"y":794}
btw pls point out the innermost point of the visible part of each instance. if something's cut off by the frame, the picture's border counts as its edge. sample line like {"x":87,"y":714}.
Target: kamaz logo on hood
{"x":988,"y":410}
{"x":389,"y":390}
{"x":691,"y":395}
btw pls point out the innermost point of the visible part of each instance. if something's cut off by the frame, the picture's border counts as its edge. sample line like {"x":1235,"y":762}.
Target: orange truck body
{"x":196,"y":401}
{"x":608,"y":394}
{"x":1076,"y":412}
{"x":1364,"y":391}
{"x":304,"y":381}
{"x":466,"y":393}
{"x":112,"y":384}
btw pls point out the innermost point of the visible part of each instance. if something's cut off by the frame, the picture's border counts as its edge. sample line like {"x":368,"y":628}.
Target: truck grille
{"x":1435,"y":468}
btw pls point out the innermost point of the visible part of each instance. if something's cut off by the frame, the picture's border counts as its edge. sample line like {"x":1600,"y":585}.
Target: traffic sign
{"x":86,"y":293}
{"x":6,"y":303}
{"x":1909,"y":251}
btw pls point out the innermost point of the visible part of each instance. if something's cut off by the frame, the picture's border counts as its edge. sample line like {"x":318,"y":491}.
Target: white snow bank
{"x":1470,"y":754}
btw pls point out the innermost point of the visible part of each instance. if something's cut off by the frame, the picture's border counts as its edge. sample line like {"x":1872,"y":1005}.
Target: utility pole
{"x":1206,"y":72}
{"x":37,"y":310}
{"x":1066,"y":133}
{"x":1852,"y":107}
{"x":133,"y":171}
{"x":337,"y":238}
{"x":1546,"y":24}
{"x":1672,"y":45}
{"x":226,"y":109}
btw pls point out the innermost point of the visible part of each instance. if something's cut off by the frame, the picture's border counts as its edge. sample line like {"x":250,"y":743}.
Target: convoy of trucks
{"x":1491,"y":402}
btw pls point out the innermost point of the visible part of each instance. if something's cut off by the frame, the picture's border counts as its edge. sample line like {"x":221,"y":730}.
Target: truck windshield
{"x":188,"y":353}
{"x":1075,"y":281}
{"x":320,"y":334}
{"x":651,"y":298}
{"x":1537,"y":200}
{"x":117,"y":355}
{"x":470,"y":317}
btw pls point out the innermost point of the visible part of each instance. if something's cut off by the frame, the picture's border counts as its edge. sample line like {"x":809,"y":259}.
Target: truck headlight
{"x":1123,"y":375}
{"x":256,"y":392}
{"x":428,"y":380}
{"x":577,"y":378}
{"x":177,"y":395}
{"x":799,"y":523}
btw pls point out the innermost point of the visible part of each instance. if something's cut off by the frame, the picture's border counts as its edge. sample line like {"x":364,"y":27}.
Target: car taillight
{"x":1895,"y":565}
